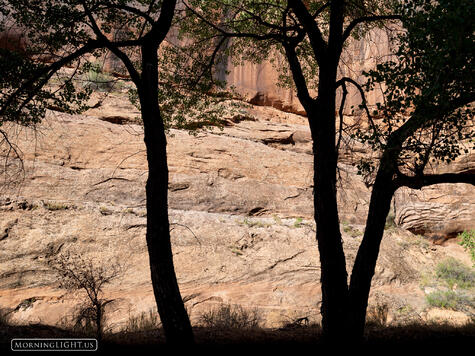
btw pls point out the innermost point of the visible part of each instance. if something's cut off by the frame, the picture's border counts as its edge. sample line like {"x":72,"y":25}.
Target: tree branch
{"x":134,"y":75}
{"x":321,"y":9}
{"x":363,"y":100}
{"x":364,"y":19}
{"x":161,"y":27}
{"x":421,"y":117}
{"x":417,"y":182}
{"x":227,"y":34}
{"x":319,"y":45}
{"x":297,"y":74}
{"x":130,"y":9}
{"x":46,"y":74}
{"x":340,"y":112}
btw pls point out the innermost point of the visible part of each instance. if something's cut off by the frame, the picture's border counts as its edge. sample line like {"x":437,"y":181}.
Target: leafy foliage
{"x":428,"y":86}
{"x":453,"y":272}
{"x":444,"y":299}
{"x":190,"y":97}
{"x":468,"y":242}
{"x":24,"y":72}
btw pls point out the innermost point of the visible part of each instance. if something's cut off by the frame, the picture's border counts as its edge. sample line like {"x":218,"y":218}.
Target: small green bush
{"x":56,"y":206}
{"x":456,"y":273}
{"x":96,"y":79}
{"x":444,"y":299}
{"x":298,"y":222}
{"x":350,"y":230}
{"x":468,"y":242}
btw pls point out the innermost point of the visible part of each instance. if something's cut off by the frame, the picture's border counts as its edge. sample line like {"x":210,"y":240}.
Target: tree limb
{"x":130,"y":9}
{"x":134,"y":75}
{"x":364,"y":19}
{"x":225,"y":33}
{"x":46,"y":74}
{"x":319,"y":45}
{"x":161,"y":27}
{"x":363,"y":100}
{"x":340,"y":113}
{"x":297,"y":74}
{"x":417,"y":182}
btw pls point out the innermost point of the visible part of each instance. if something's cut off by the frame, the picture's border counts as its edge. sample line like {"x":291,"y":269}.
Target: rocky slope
{"x":241,"y":212}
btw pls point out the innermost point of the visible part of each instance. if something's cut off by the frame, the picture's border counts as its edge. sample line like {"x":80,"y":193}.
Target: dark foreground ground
{"x":429,"y":339}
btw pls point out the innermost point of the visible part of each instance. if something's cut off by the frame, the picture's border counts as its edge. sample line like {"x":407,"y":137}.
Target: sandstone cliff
{"x":241,"y":212}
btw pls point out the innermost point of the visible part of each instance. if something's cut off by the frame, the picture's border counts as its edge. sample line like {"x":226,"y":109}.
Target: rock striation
{"x":241,"y":212}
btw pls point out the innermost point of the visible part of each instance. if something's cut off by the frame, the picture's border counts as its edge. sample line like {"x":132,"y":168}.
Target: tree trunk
{"x":173,"y":315}
{"x":98,"y":307}
{"x":332,"y":258}
{"x":365,"y":263}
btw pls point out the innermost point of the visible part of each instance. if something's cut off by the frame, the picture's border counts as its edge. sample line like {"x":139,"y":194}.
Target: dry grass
{"x":434,"y":337}
{"x":228,"y":316}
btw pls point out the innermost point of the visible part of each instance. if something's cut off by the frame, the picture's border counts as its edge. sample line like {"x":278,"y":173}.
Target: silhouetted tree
{"x":60,"y":33}
{"x":78,"y":274}
{"x":312,"y":36}
{"x":426,"y":118}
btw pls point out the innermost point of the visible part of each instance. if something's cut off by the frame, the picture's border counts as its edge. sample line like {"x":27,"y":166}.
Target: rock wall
{"x":241,"y":212}
{"x":441,"y":211}
{"x":259,"y":83}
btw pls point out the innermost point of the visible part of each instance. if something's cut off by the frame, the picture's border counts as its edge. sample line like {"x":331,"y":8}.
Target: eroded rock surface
{"x":241,"y":212}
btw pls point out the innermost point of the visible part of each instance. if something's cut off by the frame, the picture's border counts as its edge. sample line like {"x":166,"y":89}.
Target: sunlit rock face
{"x":240,"y":207}
{"x":259,"y":83}
{"x":439,"y":211}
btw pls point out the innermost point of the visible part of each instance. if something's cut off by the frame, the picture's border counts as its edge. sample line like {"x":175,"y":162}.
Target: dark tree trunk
{"x":332,"y":259}
{"x":173,"y":315}
{"x":321,"y":117}
{"x":365,"y":263}
{"x":98,"y":307}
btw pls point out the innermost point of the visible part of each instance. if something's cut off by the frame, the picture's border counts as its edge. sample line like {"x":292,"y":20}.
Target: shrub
{"x":454,"y":273}
{"x":350,"y":230}
{"x":444,"y":299}
{"x":298,"y":222}
{"x":145,"y":321}
{"x":468,"y":242}
{"x":78,"y":274}
{"x":56,"y":206}
{"x":230,"y":317}
{"x":96,"y":79}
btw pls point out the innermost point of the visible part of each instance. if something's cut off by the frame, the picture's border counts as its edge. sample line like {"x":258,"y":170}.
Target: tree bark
{"x":332,"y":258}
{"x":365,"y":262}
{"x":98,"y":307}
{"x":174,"y":318}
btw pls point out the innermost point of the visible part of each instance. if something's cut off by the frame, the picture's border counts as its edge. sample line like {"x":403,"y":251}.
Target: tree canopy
{"x":427,"y":88}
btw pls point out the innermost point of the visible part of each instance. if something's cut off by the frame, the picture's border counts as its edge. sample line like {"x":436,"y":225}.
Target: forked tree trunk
{"x":365,"y":262}
{"x":174,"y":318}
